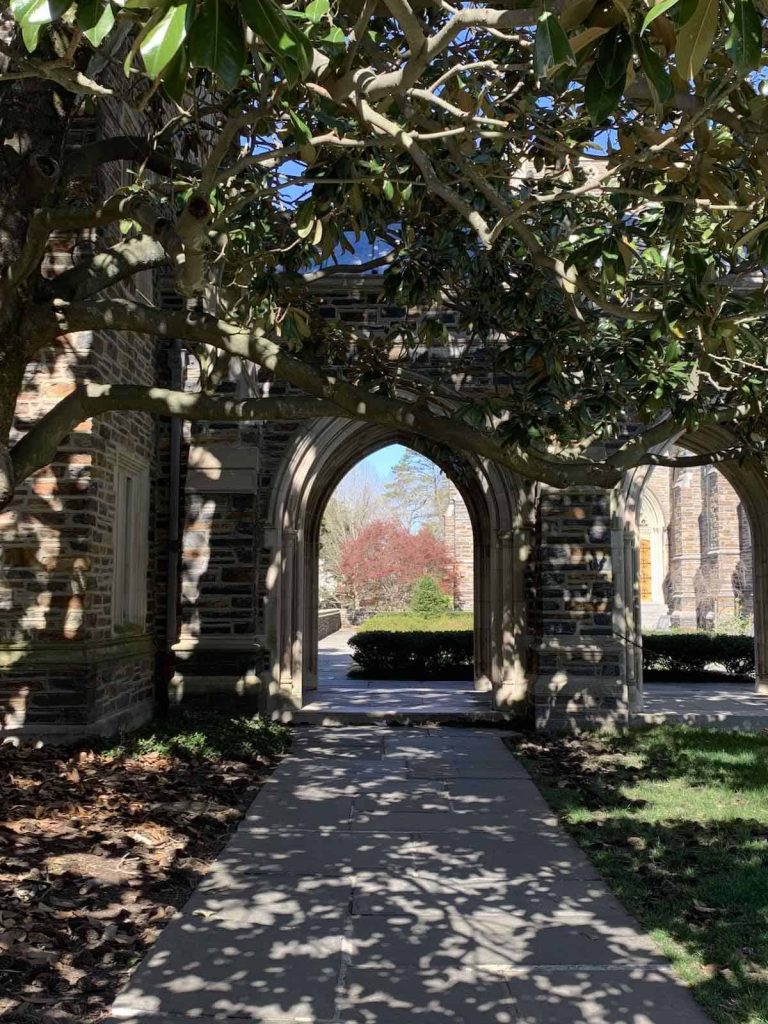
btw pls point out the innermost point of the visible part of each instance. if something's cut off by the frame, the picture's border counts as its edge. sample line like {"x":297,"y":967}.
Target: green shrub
{"x":203,"y":734}
{"x":407,"y":622}
{"x":691,"y":653}
{"x":428,"y":599}
{"x":438,"y":654}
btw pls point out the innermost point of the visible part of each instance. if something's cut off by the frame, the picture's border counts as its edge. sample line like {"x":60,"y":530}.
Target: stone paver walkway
{"x":391,"y":876}
{"x":716,"y":705}
{"x":337,"y":694}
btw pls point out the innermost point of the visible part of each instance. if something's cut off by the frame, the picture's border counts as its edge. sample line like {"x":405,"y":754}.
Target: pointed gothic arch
{"x":499,"y":510}
{"x":749,"y":479}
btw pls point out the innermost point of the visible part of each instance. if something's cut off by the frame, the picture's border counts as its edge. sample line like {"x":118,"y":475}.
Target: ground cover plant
{"x":99,"y":844}
{"x":676,"y":820}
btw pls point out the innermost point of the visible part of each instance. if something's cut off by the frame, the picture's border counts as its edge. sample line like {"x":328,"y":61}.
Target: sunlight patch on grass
{"x":676,"y":820}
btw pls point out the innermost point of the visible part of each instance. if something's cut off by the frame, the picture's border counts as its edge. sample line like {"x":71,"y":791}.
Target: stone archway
{"x":750,"y":482}
{"x":500,"y":513}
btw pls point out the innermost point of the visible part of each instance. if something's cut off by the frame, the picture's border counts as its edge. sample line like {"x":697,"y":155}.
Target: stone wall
{"x":459,"y":539}
{"x":66,"y":671}
{"x":572,"y":647}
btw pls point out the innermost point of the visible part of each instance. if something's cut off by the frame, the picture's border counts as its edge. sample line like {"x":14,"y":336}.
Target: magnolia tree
{"x":582,"y":181}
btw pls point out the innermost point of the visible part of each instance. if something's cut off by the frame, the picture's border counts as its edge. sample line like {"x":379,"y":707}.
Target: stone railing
{"x":328,"y":621}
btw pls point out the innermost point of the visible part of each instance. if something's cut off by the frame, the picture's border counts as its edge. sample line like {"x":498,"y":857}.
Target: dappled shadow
{"x":385,"y":876}
{"x":702,"y":882}
{"x":97,"y":851}
{"x":338,"y":693}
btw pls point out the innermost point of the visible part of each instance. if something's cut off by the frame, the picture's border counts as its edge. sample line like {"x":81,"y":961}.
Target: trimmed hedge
{"x":407,"y":622}
{"x":438,"y":654}
{"x":416,"y":650}
{"x":691,"y":653}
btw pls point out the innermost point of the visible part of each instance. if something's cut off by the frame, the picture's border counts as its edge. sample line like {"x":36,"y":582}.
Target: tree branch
{"x":39,"y":446}
{"x":126,"y":149}
{"x":347,"y":399}
{"x":104,"y":269}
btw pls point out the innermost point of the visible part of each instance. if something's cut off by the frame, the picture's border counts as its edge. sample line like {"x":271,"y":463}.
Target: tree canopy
{"x":583,"y":182}
{"x":379,"y":567}
{"x":418,"y":492}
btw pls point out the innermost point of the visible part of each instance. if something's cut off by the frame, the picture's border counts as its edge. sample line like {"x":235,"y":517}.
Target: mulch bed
{"x":96,"y":853}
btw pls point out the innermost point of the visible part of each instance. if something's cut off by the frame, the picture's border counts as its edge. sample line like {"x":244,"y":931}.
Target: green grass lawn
{"x":407,"y":622}
{"x":676,"y":820}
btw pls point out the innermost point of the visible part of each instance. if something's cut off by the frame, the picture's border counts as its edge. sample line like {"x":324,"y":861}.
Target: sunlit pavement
{"x":392,"y":875}
{"x":715,"y":705}
{"x":368,"y":699}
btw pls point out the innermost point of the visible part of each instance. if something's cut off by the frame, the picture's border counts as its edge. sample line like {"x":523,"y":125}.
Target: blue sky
{"x":384,"y":459}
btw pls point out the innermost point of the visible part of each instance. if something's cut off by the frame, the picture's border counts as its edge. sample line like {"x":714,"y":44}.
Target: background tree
{"x":583,"y":181}
{"x":428,"y":598}
{"x":354,"y":504}
{"x":417,"y":492}
{"x":379,"y":567}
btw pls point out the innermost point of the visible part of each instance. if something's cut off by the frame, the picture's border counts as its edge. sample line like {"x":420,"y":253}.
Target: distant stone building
{"x":695,"y":551}
{"x":457,"y":531}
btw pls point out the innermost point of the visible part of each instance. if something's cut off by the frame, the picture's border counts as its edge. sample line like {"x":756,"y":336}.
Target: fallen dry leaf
{"x":96,"y":853}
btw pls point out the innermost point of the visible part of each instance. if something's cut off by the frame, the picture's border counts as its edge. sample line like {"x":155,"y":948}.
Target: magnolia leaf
{"x":305,"y":219}
{"x":35,"y":15}
{"x":551,"y":48}
{"x":749,"y":237}
{"x":745,"y":40}
{"x":695,"y":38}
{"x":303,"y":134}
{"x":95,"y":19}
{"x":162,"y":43}
{"x":589,"y":35}
{"x":601,"y":99}
{"x":655,"y":11}
{"x":335,"y":36}
{"x":655,"y":72}
{"x":217,"y":42}
{"x":317,"y":10}
{"x":174,"y":76}
{"x":613,"y":56}
{"x":290,"y":47}
{"x":575,"y":13}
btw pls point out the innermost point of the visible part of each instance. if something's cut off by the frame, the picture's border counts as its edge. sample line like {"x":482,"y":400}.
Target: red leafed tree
{"x":379,"y":567}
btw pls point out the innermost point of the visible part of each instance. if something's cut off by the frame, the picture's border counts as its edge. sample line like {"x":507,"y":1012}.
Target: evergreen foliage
{"x":428,"y":599}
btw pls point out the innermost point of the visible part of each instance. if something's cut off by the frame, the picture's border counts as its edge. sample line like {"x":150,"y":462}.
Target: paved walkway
{"x":338,"y":694}
{"x":723,"y":705}
{"x":392,"y":876}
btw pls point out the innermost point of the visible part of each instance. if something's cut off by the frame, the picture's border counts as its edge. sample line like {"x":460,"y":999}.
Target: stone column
{"x":579,"y":684}
{"x":684,"y":546}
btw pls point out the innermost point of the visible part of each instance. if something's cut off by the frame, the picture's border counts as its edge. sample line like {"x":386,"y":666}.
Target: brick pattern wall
{"x":570,"y":580}
{"x":64,"y":672}
{"x":459,"y":539}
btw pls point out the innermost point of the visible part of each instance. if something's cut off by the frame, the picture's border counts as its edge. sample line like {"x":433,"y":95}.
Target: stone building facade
{"x":457,"y":533}
{"x":695,"y":544}
{"x":93,"y":636}
{"x":695,"y":552}
{"x":84,"y":546}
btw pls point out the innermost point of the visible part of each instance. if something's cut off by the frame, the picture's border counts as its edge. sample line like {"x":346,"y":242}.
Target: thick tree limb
{"x":126,"y":149}
{"x":39,"y":446}
{"x":122,"y":261}
{"x":348,"y":399}
{"x":330,"y":396}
